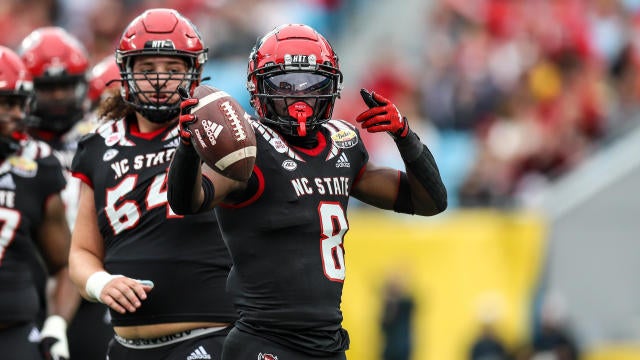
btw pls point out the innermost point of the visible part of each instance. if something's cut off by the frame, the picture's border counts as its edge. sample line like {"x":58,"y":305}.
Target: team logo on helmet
{"x":262,"y":356}
{"x":159,"y":44}
{"x":345,"y":139}
{"x":299,"y":59}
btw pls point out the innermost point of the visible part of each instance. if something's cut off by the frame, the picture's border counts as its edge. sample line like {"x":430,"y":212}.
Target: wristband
{"x":410,"y":146}
{"x":96,"y":282}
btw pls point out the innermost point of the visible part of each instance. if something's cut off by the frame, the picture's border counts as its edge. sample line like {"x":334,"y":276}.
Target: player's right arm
{"x":193,"y":186}
{"x":86,"y":268}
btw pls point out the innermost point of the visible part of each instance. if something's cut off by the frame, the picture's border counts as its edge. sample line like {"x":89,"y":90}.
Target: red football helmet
{"x":161,"y":32}
{"x":104,"y":75}
{"x":16,"y":88}
{"x":56,"y":60}
{"x":294,"y":79}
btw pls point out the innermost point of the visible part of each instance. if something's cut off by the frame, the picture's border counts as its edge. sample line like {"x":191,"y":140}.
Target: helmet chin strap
{"x":301,"y":111}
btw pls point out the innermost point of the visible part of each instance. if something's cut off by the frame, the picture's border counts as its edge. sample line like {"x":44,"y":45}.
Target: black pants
{"x":207,"y":346}
{"x":243,"y":346}
{"x":90,"y":332}
{"x":15,"y":343}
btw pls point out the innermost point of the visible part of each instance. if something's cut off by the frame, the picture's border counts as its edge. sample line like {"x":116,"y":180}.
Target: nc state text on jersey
{"x":328,"y":185}
{"x":122,"y":166}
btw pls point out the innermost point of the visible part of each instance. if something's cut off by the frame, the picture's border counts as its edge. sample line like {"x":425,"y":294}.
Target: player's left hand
{"x":382,"y":115}
{"x":53,"y":339}
{"x":186,"y":117}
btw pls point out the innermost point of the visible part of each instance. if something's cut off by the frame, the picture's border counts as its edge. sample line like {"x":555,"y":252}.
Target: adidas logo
{"x":212,"y":130}
{"x":174,"y":143}
{"x":199,"y":353}
{"x":6,"y":182}
{"x":34,"y":335}
{"x":343,"y":161}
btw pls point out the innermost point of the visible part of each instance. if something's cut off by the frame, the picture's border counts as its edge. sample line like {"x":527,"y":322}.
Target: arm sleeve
{"x":181,"y":181}
{"x":420,"y":163}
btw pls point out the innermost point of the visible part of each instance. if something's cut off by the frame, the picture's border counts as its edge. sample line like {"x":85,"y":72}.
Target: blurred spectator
{"x":19,"y":17}
{"x":554,"y":340}
{"x":488,"y":346}
{"x":396,"y":323}
{"x":107,"y":19}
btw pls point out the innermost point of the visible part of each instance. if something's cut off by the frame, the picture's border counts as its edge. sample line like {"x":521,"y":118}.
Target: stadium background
{"x":530,"y":108}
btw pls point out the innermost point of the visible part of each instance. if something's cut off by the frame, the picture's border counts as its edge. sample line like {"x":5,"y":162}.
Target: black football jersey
{"x":286,"y":240}
{"x":27,"y":179}
{"x":184,"y":256}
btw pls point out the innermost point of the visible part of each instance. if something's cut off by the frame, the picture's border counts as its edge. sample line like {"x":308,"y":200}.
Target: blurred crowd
{"x":540,"y":84}
{"x":516,"y":93}
{"x":512,"y":94}
{"x":231,"y":27}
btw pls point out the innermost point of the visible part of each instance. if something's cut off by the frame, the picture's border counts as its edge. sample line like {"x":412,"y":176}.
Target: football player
{"x":59,"y":64}
{"x":162,"y":275}
{"x":104,"y":79}
{"x":285,"y":226}
{"x":33,"y":228}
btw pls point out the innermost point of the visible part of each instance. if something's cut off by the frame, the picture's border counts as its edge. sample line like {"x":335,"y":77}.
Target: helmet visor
{"x":298,"y":83}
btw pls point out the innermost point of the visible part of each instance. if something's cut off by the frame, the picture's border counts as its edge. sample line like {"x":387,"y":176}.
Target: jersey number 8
{"x":334,"y":225}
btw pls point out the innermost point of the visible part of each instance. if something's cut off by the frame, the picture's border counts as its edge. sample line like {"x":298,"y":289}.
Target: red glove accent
{"x":186,"y":118}
{"x":382,"y":115}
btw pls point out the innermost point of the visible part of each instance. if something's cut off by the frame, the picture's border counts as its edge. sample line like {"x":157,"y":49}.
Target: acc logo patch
{"x":344,"y":139}
{"x":23,"y":166}
{"x":109,"y":154}
{"x":262,"y":356}
{"x":289,"y":165}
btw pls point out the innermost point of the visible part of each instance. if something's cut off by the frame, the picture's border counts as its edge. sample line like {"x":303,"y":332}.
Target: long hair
{"x":113,"y":107}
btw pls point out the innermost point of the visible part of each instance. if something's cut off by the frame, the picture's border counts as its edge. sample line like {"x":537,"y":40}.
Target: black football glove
{"x":382,"y":115}
{"x":53,"y":339}
{"x":186,"y":118}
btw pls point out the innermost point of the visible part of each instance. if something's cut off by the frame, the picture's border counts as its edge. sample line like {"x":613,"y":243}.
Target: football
{"x":222,"y":134}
